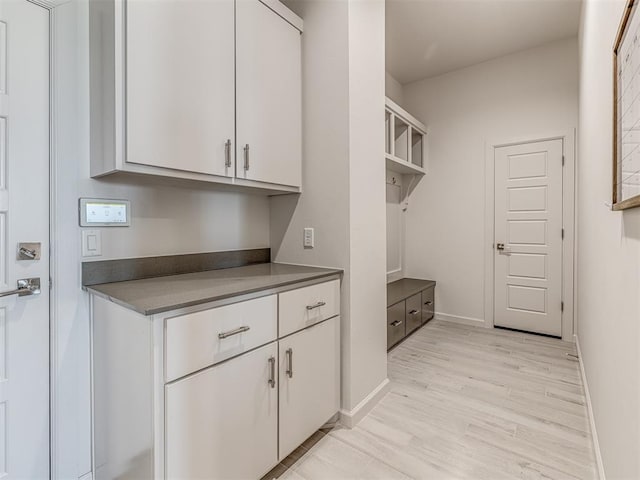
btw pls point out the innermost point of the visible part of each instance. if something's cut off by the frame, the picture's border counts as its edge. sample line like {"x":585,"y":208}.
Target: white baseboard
{"x":592,"y":422}
{"x":476,"y":322}
{"x":351,"y":418}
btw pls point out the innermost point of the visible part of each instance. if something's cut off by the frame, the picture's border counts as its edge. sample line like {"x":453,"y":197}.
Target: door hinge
{"x":562,"y":234}
{"x":562,"y":306}
{"x":563,"y":160}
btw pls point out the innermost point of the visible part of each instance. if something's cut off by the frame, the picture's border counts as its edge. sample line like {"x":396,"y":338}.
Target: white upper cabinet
{"x":179,"y":85}
{"x":268,"y":96}
{"x":173,"y":82}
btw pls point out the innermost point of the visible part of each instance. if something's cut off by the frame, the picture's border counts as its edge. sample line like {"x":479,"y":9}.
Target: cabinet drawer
{"x":307,"y":306}
{"x":395,"y":323}
{"x":428,"y":304}
{"x":413,"y":313}
{"x":200,"y":339}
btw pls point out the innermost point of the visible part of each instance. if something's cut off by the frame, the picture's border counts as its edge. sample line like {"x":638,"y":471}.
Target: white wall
{"x":343,"y":185}
{"x":608,"y":257}
{"x":165,"y":220}
{"x":393,"y":89}
{"x":530,"y":93}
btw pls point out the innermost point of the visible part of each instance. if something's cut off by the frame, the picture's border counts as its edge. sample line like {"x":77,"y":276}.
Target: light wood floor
{"x":465,"y":402}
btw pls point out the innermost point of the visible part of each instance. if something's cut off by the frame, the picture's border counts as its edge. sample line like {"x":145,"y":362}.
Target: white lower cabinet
{"x":213,"y":391}
{"x":222,"y":421}
{"x":309,"y":382}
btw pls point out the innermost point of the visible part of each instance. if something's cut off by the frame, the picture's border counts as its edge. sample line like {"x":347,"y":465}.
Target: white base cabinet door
{"x":309,"y":382}
{"x":222,"y":422}
{"x":268,"y":96}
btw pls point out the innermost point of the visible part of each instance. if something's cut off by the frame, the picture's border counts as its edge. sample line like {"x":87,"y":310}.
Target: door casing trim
{"x":568,"y":138}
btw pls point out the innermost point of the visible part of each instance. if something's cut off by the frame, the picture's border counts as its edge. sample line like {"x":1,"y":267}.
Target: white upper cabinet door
{"x":268,"y":96}
{"x":180,"y":85}
{"x":309,"y":382}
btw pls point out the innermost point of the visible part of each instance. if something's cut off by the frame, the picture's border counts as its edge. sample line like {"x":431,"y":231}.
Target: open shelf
{"x":405,"y":141}
{"x":402,"y":166}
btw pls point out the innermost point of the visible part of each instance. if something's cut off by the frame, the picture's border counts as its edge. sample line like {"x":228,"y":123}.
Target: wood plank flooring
{"x":465,"y":402}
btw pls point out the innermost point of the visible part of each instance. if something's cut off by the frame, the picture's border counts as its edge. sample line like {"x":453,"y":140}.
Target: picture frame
{"x":626,"y":111}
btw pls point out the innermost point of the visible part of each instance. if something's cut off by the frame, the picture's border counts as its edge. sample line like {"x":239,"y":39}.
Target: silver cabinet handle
{"x":396,"y":323}
{"x":230,"y":333}
{"x":317,"y":305}
{"x":289,"y":370}
{"x":227,"y":153}
{"x":272,"y":372}
{"x":26,"y":287}
{"x":413,"y":312}
{"x":428,"y":302}
{"x":246,"y":157}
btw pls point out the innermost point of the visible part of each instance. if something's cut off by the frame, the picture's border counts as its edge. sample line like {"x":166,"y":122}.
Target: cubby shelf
{"x":405,"y":141}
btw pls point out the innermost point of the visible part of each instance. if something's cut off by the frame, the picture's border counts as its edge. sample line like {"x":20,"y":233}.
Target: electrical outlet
{"x":308,"y":238}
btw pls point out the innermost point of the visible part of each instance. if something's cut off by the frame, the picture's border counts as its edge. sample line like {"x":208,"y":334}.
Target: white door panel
{"x":268,"y":96}
{"x":222,"y":422}
{"x":180,"y":113}
{"x":309,"y":382}
{"x":24,"y":217}
{"x":528,"y":222}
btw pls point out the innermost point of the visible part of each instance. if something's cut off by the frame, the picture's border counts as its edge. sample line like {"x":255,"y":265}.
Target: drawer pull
{"x":289,"y":370}
{"x":396,"y":323}
{"x":317,"y":305}
{"x":230,"y":333}
{"x":429,"y":302}
{"x":413,"y":312}
{"x":272,"y":372}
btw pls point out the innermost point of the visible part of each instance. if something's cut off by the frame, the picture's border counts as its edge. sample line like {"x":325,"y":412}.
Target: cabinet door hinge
{"x":563,"y":233}
{"x":563,"y":160}
{"x":562,"y":306}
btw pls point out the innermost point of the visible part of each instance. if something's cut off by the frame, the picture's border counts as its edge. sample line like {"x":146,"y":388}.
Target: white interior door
{"x":528,"y":237}
{"x":24,"y":217}
{"x":268,"y":96}
{"x":180,"y":85}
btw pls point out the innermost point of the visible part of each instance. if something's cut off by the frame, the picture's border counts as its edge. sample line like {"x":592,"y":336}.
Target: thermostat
{"x":97,"y":212}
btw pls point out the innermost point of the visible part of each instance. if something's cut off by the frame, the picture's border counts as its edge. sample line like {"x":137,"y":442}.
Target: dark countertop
{"x":405,"y":288}
{"x":161,"y":294}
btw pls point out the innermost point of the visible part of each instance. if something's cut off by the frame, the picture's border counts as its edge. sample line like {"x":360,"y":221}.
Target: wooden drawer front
{"x":395,"y":324}
{"x":193,"y":341}
{"x":413,"y":311}
{"x":428,"y":304}
{"x":307,"y":306}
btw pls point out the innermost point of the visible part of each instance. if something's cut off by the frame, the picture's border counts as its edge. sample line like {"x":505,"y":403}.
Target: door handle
{"x":246,"y":157}
{"x":502,"y":249}
{"x":413,"y":312}
{"x":26,"y":287}
{"x":227,"y":153}
{"x":272,"y":372}
{"x":397,"y":323}
{"x":428,"y":302}
{"x":289,"y":370}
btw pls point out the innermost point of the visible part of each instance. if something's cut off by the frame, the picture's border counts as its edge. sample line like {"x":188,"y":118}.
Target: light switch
{"x":308,"y":240}
{"x":91,"y":243}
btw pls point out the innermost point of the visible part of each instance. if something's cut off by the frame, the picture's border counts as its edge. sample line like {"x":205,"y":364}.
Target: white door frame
{"x":50,"y":6}
{"x":568,"y":138}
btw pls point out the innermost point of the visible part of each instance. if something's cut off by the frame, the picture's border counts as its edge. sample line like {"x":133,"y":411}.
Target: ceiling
{"x":425,"y":38}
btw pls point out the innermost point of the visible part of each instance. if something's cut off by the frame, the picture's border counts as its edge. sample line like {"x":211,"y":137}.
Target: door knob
{"x":500,"y":246}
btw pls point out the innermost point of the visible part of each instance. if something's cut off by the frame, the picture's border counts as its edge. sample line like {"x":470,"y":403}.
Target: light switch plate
{"x":308,"y":238}
{"x":91,"y":243}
